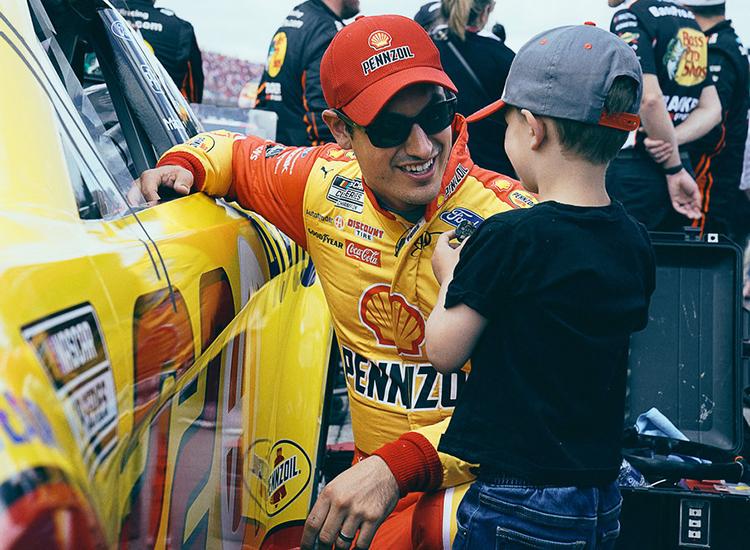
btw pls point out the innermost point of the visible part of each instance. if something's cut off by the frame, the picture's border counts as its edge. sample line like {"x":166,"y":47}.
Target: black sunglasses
{"x":391,"y":129}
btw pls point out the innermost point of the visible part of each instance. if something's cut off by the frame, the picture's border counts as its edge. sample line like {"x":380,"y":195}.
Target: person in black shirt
{"x":479,"y":66}
{"x":174,"y":44}
{"x":718,"y":157}
{"x":673,"y":53}
{"x":290,"y":85}
{"x":544,"y":301}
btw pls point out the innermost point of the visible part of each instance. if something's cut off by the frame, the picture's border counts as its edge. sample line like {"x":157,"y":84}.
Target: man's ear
{"x":537,"y":129}
{"x":338,"y":129}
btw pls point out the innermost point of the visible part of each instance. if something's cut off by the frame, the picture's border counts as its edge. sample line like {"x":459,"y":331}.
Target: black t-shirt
{"x":730,"y":73}
{"x":562,"y":288}
{"x":669,"y":44}
{"x":490,"y":60}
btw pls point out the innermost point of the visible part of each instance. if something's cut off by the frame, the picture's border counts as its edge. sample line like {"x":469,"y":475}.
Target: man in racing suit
{"x":290,"y":85}
{"x":679,"y":105}
{"x":718,"y":157}
{"x":369,"y":210}
{"x":174,"y":44}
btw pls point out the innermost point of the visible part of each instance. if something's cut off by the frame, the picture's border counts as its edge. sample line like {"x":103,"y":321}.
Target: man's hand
{"x":445,"y":257}
{"x":660,"y":151}
{"x":685,"y":195}
{"x":176,"y":177}
{"x":359,"y":499}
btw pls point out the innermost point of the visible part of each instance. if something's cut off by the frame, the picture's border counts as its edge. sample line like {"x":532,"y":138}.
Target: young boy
{"x":544,"y":301}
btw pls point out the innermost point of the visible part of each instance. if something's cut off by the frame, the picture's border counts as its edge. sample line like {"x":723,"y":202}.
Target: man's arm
{"x":702,"y":119}
{"x":260,"y":175}
{"x":656,"y":121}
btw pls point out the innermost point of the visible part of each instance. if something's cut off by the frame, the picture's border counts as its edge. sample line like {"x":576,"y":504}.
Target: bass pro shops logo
{"x":393,"y":320}
{"x":686,"y":58}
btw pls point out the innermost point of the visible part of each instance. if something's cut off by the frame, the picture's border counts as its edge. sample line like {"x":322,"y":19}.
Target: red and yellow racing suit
{"x":374,"y":267}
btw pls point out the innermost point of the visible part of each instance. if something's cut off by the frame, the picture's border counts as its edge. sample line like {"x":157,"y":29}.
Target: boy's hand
{"x":660,"y":151}
{"x":445,"y":257}
{"x":176,"y":177}
{"x":685,"y":195}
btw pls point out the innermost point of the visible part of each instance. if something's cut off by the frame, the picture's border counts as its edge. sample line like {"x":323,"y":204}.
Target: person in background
{"x":718,"y":157}
{"x":290,"y":85}
{"x":544,"y":422}
{"x":478,"y":65}
{"x":174,"y":44}
{"x":655,"y":187}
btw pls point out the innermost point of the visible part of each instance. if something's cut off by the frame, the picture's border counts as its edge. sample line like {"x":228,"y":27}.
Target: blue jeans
{"x":519,"y":518}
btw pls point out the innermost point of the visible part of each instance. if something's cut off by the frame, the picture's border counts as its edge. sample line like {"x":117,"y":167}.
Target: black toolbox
{"x":688,"y":363}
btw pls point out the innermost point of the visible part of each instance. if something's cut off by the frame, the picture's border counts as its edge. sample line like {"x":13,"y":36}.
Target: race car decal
{"x":279,"y":473}
{"x":70,"y":345}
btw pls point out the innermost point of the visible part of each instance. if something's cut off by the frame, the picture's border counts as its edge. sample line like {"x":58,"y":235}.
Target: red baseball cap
{"x":372,"y":59}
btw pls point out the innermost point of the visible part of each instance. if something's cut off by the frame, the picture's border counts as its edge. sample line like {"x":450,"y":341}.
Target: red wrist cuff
{"x":188,"y":162}
{"x":414,"y":463}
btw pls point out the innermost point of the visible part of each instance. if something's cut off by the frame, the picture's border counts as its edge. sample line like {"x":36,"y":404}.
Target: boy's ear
{"x":338,"y":129}
{"x":537,"y":129}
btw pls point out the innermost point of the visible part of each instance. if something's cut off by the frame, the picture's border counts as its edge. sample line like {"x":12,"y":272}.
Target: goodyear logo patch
{"x":71,"y":347}
{"x":457,"y":215}
{"x":347,"y":193}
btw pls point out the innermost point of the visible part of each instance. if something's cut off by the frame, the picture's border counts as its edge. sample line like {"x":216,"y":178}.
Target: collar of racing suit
{"x":459,"y":157}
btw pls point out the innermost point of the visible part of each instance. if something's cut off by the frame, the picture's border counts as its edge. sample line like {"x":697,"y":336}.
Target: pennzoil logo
{"x":279,"y":474}
{"x":393,"y":320}
{"x":385,"y":58}
{"x":686,"y":58}
{"x":379,"y":40}
{"x":522,"y":199}
{"x":70,"y":345}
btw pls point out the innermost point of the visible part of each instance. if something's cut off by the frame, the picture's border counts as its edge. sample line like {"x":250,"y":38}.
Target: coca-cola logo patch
{"x":364,"y":254}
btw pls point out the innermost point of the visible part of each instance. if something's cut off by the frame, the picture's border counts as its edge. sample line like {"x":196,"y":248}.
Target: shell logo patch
{"x":686,"y":58}
{"x":379,"y":40}
{"x":276,"y":54}
{"x":393,"y":320}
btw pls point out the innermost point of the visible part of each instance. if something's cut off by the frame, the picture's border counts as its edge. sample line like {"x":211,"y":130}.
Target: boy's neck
{"x":569,"y":180}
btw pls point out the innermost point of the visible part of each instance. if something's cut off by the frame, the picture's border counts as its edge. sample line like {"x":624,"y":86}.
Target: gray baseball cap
{"x":567,"y":73}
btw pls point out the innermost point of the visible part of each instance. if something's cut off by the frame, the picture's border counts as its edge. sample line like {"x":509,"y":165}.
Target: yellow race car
{"x":163,"y":367}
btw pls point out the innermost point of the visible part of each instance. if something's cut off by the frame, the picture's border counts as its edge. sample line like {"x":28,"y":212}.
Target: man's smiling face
{"x":409,"y":175}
